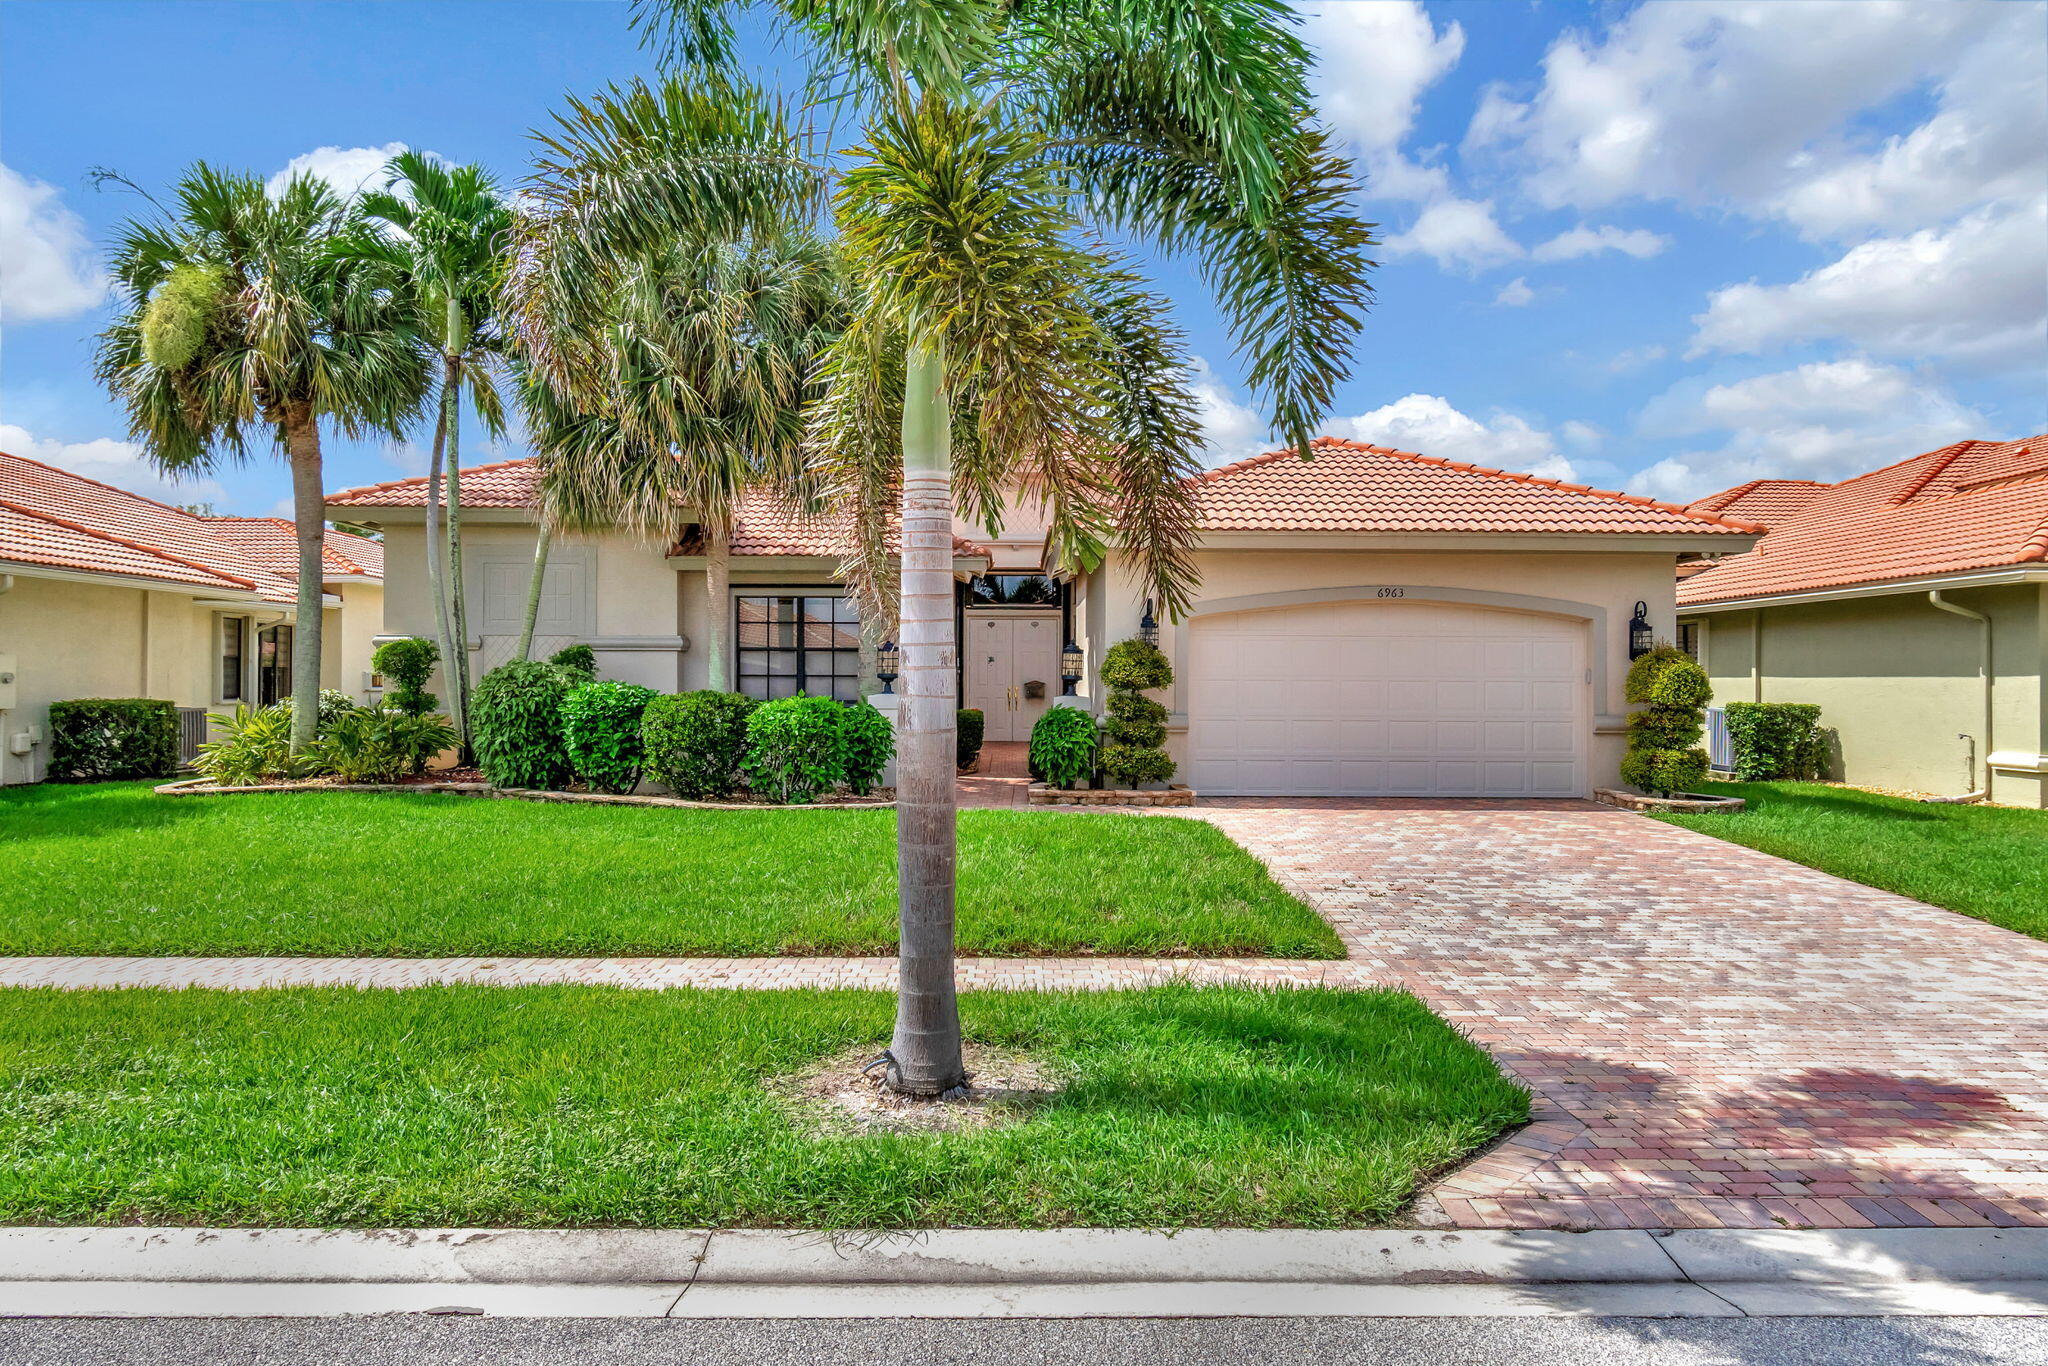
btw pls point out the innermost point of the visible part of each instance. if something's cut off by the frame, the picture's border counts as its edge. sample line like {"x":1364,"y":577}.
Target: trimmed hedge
{"x":695,"y":742}
{"x":601,"y":731}
{"x":93,"y":738}
{"x":793,"y":749}
{"x":578,"y":662}
{"x":866,"y":744}
{"x":408,"y":663}
{"x":1663,"y":754}
{"x":1776,"y":740}
{"x":516,"y":725}
{"x":969,"y":725}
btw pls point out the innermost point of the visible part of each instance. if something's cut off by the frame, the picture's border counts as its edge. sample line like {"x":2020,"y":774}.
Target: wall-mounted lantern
{"x":888,"y":663}
{"x":1148,"y":625}
{"x":1071,"y":664}
{"x":1639,"y":632}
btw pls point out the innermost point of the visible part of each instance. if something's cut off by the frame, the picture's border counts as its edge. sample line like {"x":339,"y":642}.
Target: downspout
{"x":1976,"y":793}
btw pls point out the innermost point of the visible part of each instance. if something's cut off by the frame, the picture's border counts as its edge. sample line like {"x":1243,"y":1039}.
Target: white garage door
{"x":1387,"y":699}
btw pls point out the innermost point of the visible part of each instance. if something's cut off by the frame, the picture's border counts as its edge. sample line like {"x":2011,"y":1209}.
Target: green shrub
{"x":1776,"y":740}
{"x":408,"y":663}
{"x":1063,"y":744}
{"x":255,"y":747}
{"x":866,"y":744}
{"x":1136,"y":725}
{"x":695,"y":743}
{"x":578,"y":662}
{"x":381,"y":744}
{"x":1663,"y":737}
{"x":334,"y":704}
{"x":601,"y":730}
{"x":113,"y":737}
{"x":969,"y":725}
{"x":515,"y":722}
{"x":793,"y":750}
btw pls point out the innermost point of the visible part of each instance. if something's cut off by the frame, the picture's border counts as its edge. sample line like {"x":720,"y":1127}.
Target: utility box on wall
{"x":8,"y":701}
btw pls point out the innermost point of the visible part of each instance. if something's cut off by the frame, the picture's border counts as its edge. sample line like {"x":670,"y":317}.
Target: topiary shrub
{"x":1663,"y":755}
{"x":695,"y":743}
{"x":93,"y":738}
{"x":969,"y":725}
{"x":408,"y":663}
{"x":601,"y":731}
{"x":578,"y":662}
{"x":1136,"y":726}
{"x":1776,"y":740}
{"x":866,"y":743}
{"x":515,"y":720}
{"x":1063,"y":744}
{"x":793,"y":749}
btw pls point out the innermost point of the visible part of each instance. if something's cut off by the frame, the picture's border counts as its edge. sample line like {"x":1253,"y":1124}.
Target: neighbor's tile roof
{"x":1765,"y":502}
{"x":1349,"y":486}
{"x":1973,"y":505}
{"x":506,"y":484}
{"x":66,"y":521}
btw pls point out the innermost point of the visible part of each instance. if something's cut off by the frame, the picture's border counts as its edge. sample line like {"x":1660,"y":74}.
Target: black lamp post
{"x":1639,"y":632}
{"x":1148,"y":625}
{"x":1070,"y":668}
{"x":888,"y":660}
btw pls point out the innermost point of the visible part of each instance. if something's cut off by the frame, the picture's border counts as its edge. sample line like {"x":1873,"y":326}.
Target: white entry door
{"x":1006,"y":653}
{"x":1390,"y":699}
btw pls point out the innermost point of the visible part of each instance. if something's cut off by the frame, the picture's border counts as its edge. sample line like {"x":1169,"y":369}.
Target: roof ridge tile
{"x":154,"y":552}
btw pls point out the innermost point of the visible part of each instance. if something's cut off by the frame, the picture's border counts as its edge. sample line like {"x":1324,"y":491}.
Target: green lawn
{"x":115,"y":869}
{"x":1987,"y":861}
{"x":559,"y":1106}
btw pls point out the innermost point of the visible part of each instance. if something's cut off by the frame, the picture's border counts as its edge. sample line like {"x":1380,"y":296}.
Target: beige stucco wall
{"x":1606,"y":584}
{"x":1896,"y":679}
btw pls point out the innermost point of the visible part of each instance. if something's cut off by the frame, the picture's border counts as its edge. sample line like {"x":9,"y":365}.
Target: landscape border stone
{"x":1696,"y":803}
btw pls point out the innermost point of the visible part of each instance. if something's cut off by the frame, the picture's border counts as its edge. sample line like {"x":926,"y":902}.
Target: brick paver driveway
{"x":1716,"y":1036}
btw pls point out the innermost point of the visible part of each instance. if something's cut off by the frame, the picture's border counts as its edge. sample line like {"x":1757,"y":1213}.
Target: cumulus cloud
{"x":120,"y":463}
{"x":1458,"y":234}
{"x":1583,"y":435}
{"x":1428,"y":424}
{"x":47,"y":266}
{"x":1640,"y":243}
{"x":1515,"y":294}
{"x":1232,"y":430}
{"x":1374,"y":64}
{"x":350,"y":170}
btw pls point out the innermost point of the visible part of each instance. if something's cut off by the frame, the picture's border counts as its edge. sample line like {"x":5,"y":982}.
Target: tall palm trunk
{"x":309,"y":514}
{"x":717,"y":605}
{"x":533,"y":587}
{"x":458,"y":604}
{"x":926,"y":1046}
{"x":437,"y":579}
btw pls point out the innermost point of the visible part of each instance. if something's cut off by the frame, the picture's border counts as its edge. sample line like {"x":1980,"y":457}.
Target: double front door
{"x":1012,"y":664}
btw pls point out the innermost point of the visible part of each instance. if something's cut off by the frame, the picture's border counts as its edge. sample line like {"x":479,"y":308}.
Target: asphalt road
{"x":940,"y":1342}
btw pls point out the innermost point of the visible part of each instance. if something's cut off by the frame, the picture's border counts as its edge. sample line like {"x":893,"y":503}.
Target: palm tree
{"x":995,"y":341}
{"x":238,"y":309}
{"x":448,"y":229}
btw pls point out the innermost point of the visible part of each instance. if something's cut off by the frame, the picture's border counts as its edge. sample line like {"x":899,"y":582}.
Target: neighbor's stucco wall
{"x":1611,"y":581}
{"x":1896,"y":680}
{"x":351,"y":634}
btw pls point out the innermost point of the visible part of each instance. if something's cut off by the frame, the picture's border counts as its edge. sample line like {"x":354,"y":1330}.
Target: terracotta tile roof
{"x":1350,"y":486}
{"x":506,"y":484}
{"x":66,"y":521}
{"x":1973,"y":505}
{"x":1765,"y":502}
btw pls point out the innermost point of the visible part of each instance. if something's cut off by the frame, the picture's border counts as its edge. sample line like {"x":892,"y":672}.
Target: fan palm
{"x":238,"y":310}
{"x":995,"y":343}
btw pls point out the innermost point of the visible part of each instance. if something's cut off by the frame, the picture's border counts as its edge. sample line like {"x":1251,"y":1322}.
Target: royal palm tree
{"x":238,"y":310}
{"x":995,"y":342}
{"x":448,"y":230}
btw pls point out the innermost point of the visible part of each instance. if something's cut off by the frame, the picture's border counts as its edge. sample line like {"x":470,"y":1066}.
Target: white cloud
{"x":1429,"y":425}
{"x":47,"y":265}
{"x":1640,"y":243}
{"x":1635,"y":358}
{"x":1374,"y":63}
{"x":1978,"y":290}
{"x":1459,"y":234}
{"x":1232,"y":430}
{"x":1515,"y":294}
{"x":1584,"y":435}
{"x":120,"y":463}
{"x":350,"y":170}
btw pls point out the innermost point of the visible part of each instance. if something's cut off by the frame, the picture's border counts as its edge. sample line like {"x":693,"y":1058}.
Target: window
{"x":1012,"y":590}
{"x":273,"y":664}
{"x":798,"y":644}
{"x":1689,"y":638}
{"x":233,"y":637}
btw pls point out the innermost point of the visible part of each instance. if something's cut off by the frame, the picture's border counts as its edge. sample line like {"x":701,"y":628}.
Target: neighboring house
{"x":1910,"y":603}
{"x":1370,"y":622}
{"x":104,"y":593}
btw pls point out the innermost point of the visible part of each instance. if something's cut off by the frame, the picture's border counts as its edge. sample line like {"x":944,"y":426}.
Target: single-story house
{"x":105,"y":593}
{"x":1369,"y":622}
{"x":1910,"y":604}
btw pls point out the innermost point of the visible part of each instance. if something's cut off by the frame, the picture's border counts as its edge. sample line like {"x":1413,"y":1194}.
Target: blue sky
{"x":1664,"y":247}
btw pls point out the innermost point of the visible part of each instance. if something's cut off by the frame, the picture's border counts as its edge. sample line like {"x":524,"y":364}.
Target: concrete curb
{"x":1019,"y":1273}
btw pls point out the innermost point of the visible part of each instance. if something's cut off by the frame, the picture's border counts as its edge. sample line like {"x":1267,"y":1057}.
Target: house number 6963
{"x":1392,"y":593}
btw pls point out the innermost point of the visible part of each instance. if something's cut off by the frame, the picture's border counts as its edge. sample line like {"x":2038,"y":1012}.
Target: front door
{"x":1013,"y":669}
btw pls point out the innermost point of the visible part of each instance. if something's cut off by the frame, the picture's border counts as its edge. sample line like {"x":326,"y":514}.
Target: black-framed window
{"x":273,"y":664}
{"x":1689,"y":638}
{"x":792,"y":643}
{"x":234,"y":638}
{"x":1012,"y":590}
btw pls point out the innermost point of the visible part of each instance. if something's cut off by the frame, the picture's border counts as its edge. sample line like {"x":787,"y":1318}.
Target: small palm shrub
{"x":113,"y":737}
{"x":381,"y":744}
{"x":579,"y":662}
{"x":516,"y":725}
{"x":969,"y":725}
{"x":793,"y":749}
{"x":1132,"y":752}
{"x":601,"y":729}
{"x":1776,"y":740}
{"x":255,"y":747}
{"x":695,"y":743}
{"x":1063,"y":743}
{"x":1663,"y":738}
{"x":408,"y":663}
{"x":866,"y":744}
